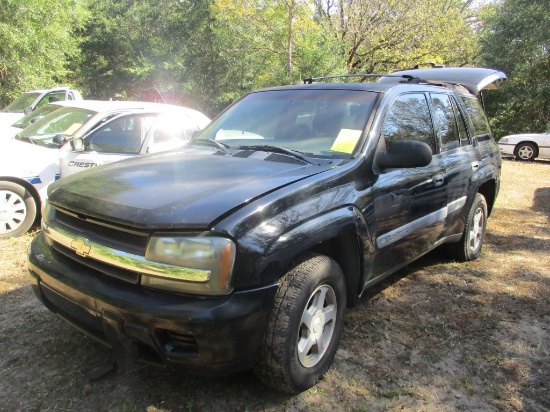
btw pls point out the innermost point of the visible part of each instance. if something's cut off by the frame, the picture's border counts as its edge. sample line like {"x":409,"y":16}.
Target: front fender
{"x":327,"y":232}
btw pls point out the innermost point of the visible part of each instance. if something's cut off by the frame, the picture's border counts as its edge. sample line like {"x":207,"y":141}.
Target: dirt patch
{"x":438,"y":335}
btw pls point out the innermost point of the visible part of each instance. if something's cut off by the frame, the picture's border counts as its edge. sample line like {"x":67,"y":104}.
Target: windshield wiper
{"x":212,"y":143}
{"x":24,"y":139}
{"x":276,"y":149}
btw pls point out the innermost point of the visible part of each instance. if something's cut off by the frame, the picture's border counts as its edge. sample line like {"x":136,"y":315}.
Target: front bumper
{"x":506,"y":150}
{"x":206,"y":336}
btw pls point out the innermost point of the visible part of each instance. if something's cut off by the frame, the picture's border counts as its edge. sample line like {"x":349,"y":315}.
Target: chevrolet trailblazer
{"x":244,"y":248}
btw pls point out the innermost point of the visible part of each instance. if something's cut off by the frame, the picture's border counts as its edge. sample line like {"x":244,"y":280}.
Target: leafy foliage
{"x":516,"y":39}
{"x":38,"y":44}
{"x":207,"y":53}
{"x":385,"y":35}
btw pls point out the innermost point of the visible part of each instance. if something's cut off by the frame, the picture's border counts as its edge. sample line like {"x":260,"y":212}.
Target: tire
{"x":17,"y":209}
{"x":469,"y":246}
{"x":526,"y":151}
{"x":309,"y":309}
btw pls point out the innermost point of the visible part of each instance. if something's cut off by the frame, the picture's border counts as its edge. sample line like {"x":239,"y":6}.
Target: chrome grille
{"x":106,"y":269}
{"x":132,"y":242}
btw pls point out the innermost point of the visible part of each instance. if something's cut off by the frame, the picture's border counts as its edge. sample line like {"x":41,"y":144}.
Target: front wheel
{"x":469,"y":246}
{"x":305,"y":325}
{"x":526,"y":151}
{"x":17,"y":209}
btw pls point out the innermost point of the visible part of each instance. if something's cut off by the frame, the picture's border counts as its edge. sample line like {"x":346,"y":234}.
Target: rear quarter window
{"x":477,"y":117}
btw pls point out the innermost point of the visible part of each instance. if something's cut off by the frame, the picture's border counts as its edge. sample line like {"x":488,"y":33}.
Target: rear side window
{"x":462,"y":127}
{"x":477,"y":117}
{"x":409,"y":119}
{"x":52,"y":97}
{"x":445,"y":121}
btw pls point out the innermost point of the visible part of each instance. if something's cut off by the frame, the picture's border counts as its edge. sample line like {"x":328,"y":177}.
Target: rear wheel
{"x":17,"y":209}
{"x":305,"y":325}
{"x":526,"y":151}
{"x":469,"y":246}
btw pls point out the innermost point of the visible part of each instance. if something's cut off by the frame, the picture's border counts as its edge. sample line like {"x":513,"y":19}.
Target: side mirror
{"x":77,"y":144}
{"x":60,"y":139}
{"x":27,"y":110}
{"x":406,"y":154}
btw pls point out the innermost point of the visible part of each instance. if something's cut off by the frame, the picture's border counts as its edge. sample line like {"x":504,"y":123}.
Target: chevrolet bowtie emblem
{"x":81,"y":247}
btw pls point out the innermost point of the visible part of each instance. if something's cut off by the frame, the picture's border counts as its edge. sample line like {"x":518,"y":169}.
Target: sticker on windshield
{"x":346,"y":140}
{"x":73,"y":128}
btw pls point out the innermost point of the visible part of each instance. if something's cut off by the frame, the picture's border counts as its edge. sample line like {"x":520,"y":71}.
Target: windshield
{"x":65,"y":121}
{"x":35,"y":116}
{"x":319,"y":122}
{"x":21,"y":103}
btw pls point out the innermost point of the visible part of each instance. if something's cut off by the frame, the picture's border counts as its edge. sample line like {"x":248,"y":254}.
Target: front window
{"x":318,"y":123}
{"x":122,"y":135}
{"x":409,"y":119}
{"x":66,"y":121}
{"x":21,"y":103}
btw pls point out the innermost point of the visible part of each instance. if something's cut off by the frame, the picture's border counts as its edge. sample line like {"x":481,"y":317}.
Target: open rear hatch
{"x":475,"y":79}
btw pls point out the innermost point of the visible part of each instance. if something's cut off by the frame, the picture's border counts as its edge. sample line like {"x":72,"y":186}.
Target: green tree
{"x":273,"y":42}
{"x":38,"y":43}
{"x":516,"y":38}
{"x":385,"y":35}
{"x":153,"y":50}
{"x":124,"y":49}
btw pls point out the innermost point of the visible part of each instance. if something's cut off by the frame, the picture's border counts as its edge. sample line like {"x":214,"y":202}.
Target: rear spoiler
{"x":475,"y":79}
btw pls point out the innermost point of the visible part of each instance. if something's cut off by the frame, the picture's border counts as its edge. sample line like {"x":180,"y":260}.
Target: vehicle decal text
{"x":82,"y":164}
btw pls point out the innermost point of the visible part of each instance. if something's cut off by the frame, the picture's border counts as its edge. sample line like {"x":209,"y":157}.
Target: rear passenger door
{"x":457,"y":154}
{"x":409,"y":203}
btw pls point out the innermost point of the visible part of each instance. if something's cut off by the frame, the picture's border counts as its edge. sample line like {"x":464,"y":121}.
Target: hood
{"x":173,"y":190}
{"x":7,"y":119}
{"x":7,"y":132}
{"x":23,"y":159}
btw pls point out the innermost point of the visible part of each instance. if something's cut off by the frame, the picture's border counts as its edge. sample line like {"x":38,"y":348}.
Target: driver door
{"x":409,"y":203}
{"x":116,"y":140}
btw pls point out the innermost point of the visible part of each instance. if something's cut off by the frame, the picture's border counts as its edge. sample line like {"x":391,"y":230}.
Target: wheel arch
{"x":537,"y":149}
{"x":340,"y":234}
{"x":345,"y":250}
{"x":489,"y":191}
{"x":29,"y":187}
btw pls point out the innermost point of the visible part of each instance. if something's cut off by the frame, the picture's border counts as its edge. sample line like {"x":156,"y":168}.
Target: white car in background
{"x":30,"y":101}
{"x":525,"y":146}
{"x":78,"y":136}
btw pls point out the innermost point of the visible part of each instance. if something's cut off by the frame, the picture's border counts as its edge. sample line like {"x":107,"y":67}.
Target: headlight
{"x":201,"y":264}
{"x":503,"y":140}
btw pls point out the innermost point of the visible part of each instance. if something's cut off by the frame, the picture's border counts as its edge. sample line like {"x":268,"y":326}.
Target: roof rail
{"x":407,"y":78}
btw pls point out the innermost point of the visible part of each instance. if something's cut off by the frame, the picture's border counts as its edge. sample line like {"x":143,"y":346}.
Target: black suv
{"x":244,"y":248}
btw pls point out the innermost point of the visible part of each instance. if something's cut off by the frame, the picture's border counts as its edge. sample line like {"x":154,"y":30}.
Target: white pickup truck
{"x":77,"y":136}
{"x":34,"y":99}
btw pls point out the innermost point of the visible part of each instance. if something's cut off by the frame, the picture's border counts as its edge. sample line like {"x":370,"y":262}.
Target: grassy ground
{"x":437,"y":336}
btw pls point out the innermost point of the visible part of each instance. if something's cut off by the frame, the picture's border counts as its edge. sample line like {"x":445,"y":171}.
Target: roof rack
{"x":429,"y":64}
{"x":407,"y":78}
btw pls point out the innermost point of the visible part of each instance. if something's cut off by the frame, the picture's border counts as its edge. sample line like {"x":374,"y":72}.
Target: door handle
{"x":475,"y":166}
{"x":438,"y":179}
